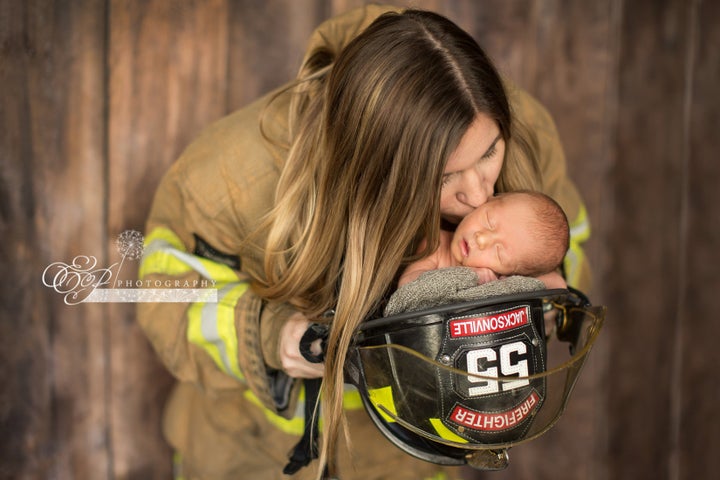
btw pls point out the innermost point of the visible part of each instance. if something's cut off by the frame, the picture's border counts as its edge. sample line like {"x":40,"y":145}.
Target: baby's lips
{"x":464,"y":248}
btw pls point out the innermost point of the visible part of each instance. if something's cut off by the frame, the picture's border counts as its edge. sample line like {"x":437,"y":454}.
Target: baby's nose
{"x":482,"y":240}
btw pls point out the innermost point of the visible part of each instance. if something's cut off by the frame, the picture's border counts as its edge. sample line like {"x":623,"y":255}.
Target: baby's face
{"x":495,"y":235}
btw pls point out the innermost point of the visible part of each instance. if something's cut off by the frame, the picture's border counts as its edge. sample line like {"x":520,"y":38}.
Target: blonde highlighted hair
{"x":372,"y":128}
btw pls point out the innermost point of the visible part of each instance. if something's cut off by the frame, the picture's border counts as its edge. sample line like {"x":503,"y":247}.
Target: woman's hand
{"x":292,"y":360}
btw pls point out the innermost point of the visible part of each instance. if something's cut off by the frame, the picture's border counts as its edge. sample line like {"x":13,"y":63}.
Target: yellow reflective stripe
{"x":383,"y":396}
{"x":211,"y":326}
{"x":292,"y":426}
{"x":438,"y":476}
{"x":166,"y":235}
{"x":351,"y":398}
{"x":580,"y":227}
{"x":575,"y":256}
{"x":445,"y":432}
{"x":165,"y":254}
{"x":178,"y":473}
{"x":166,"y":260}
{"x":155,"y":263}
{"x":296,"y":424}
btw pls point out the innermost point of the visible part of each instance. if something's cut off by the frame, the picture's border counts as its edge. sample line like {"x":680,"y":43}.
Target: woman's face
{"x":472,"y":169}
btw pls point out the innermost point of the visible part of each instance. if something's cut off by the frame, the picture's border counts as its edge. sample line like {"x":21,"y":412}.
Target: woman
{"x":311,"y":200}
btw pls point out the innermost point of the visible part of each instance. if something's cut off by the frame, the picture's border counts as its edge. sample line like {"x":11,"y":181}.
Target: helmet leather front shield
{"x":462,"y":383}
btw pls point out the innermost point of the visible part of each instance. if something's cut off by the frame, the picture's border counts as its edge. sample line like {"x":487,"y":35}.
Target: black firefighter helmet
{"x":462,"y":383}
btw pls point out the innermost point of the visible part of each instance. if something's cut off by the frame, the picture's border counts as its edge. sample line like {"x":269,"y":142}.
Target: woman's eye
{"x":446,"y":179}
{"x":490,"y":153}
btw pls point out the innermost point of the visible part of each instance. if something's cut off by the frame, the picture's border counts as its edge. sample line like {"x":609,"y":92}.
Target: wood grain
{"x":167,"y":80}
{"x":644,"y":284}
{"x":55,"y":405}
{"x":695,"y":385}
{"x":99,"y":98}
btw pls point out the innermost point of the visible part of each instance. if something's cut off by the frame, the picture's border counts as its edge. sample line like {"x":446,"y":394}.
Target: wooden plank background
{"x":99,"y":97}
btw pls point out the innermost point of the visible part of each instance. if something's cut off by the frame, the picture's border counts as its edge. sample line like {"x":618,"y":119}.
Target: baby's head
{"x":514,"y":233}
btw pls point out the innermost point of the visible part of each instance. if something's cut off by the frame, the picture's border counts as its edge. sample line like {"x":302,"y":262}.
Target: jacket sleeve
{"x":226,"y":339}
{"x":557,"y":183}
{"x":204,"y":209}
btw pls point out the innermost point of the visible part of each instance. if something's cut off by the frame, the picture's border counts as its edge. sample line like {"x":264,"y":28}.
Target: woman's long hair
{"x":361,"y":186}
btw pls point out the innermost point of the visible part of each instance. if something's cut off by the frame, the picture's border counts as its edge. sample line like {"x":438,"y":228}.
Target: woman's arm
{"x":440,"y":258}
{"x":205,"y":208}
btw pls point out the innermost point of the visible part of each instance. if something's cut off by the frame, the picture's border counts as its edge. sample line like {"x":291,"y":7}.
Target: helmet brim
{"x":425,"y":396}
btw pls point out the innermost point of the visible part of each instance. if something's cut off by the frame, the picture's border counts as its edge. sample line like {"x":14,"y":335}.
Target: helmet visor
{"x":478,"y":377}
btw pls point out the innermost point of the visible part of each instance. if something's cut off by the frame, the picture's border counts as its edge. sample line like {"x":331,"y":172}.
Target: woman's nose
{"x":473,"y":192}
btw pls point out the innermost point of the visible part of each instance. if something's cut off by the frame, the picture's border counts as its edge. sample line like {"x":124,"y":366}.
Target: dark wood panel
{"x":698,"y":387}
{"x":167,"y":80}
{"x":507,"y":32}
{"x":25,"y":398}
{"x":576,"y":51}
{"x":94,"y":112}
{"x":643,"y":279}
{"x":268,"y":42}
{"x":53,"y":171}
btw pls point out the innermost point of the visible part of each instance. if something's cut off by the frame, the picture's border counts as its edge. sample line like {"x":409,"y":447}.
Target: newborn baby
{"x":516,"y":233}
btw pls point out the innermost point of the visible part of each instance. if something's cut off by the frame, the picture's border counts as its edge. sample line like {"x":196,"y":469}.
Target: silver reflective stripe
{"x":580,"y":230}
{"x":166,"y":247}
{"x":209,"y":328}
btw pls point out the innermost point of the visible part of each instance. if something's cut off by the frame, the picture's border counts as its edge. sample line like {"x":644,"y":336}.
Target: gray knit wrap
{"x":453,"y":285}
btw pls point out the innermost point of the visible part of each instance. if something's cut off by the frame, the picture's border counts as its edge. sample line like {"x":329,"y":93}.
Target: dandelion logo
{"x":130,"y":244}
{"x":80,"y":281}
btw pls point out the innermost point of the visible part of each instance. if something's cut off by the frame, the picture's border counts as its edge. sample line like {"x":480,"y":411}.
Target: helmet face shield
{"x":461,"y":383}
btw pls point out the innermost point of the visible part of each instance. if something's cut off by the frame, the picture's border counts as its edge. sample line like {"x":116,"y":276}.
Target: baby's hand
{"x":553,"y":280}
{"x":485,"y":275}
